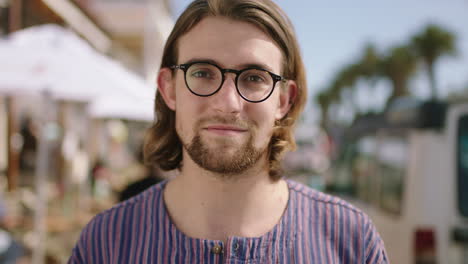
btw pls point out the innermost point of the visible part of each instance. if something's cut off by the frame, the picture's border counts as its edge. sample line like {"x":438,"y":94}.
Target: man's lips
{"x":225,"y":129}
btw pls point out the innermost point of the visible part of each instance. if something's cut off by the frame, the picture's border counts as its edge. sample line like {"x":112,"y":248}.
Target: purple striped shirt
{"x":315,"y":228}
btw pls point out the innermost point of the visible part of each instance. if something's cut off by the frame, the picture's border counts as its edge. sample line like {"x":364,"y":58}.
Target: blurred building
{"x":19,"y":14}
{"x":140,"y":28}
{"x":52,"y":195}
{"x":131,"y":31}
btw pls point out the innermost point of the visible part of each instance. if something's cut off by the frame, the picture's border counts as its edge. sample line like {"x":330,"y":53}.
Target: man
{"x":230,"y":89}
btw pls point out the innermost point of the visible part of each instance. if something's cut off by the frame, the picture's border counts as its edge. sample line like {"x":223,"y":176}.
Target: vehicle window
{"x":364,"y":169}
{"x":392,"y":160}
{"x":353,"y":170}
{"x":462,"y":165}
{"x":341,"y":179}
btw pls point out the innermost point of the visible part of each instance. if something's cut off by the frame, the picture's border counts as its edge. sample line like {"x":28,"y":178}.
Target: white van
{"x":408,"y":170}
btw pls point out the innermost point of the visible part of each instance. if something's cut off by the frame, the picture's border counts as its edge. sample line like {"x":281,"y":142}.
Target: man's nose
{"x":227,"y":99}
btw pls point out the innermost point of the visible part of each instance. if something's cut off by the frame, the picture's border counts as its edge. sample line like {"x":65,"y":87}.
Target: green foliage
{"x":398,"y":65}
{"x":344,"y":82}
{"x":369,"y":62}
{"x":430,"y":45}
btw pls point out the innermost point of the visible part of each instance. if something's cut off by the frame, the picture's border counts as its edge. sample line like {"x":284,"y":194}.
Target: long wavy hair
{"x":162,"y":145}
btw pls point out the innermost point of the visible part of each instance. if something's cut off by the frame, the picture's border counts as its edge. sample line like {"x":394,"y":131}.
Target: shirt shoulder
{"x":119,"y":228}
{"x":335,"y":224}
{"x":316,"y":197}
{"x":148,"y":197}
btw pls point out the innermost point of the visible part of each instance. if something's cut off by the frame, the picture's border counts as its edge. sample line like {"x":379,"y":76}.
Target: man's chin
{"x":222,"y":146}
{"x":223,"y":157}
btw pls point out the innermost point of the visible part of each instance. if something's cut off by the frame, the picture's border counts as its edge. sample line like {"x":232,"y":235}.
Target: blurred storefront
{"x":92,"y":146}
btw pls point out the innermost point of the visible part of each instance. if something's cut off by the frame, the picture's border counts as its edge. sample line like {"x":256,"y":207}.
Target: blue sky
{"x":333,"y":33}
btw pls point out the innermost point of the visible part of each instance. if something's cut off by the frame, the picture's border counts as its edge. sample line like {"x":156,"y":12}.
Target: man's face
{"x":223,"y":133}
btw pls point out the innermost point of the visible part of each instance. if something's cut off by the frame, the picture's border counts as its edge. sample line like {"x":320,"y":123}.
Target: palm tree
{"x":398,"y":66}
{"x":342,"y":83}
{"x":430,"y":45}
{"x":326,"y":98}
{"x":369,"y":63}
{"x":345,"y":81}
{"x":324,"y":101}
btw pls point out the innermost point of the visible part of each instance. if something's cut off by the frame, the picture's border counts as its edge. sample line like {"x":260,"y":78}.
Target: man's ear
{"x":167,"y":88}
{"x":287,"y":97}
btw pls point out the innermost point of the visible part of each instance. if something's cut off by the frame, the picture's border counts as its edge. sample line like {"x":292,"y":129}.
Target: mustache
{"x":225,"y":120}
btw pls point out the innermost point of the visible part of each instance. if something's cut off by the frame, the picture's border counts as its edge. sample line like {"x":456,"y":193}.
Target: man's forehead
{"x":228,"y":41}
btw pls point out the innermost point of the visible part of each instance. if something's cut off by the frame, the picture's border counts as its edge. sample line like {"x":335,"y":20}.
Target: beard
{"x":221,"y":158}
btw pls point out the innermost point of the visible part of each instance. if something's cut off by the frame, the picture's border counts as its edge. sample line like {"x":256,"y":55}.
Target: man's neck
{"x":208,"y":206}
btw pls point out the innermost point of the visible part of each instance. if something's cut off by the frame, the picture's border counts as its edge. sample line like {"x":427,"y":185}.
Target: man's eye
{"x":202,"y":74}
{"x":254,"y":78}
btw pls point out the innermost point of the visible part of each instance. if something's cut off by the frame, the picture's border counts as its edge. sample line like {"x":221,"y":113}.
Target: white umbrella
{"x":117,"y":107}
{"x":50,"y":58}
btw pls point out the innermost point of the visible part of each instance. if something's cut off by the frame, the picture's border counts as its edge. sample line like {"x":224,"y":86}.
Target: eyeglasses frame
{"x":185,"y":66}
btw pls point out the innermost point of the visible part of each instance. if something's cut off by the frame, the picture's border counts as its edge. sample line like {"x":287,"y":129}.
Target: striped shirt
{"x":315,"y":228}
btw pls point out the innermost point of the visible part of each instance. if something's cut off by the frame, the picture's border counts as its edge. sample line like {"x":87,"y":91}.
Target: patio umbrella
{"x":52,"y":59}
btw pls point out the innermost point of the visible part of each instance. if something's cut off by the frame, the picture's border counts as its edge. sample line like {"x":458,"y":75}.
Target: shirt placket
{"x":239,"y":251}
{"x":215,"y":251}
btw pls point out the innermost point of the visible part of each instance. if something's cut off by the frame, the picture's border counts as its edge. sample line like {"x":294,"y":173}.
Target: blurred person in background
{"x":134,"y":188}
{"x":151,"y":176}
{"x":27,"y":157}
{"x":230,"y":89}
{"x":100,"y":175}
{"x":11,"y":251}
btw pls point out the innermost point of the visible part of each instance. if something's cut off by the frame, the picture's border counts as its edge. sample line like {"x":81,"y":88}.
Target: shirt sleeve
{"x":83,"y":250}
{"x":375,"y":249}
{"x":95,"y":242}
{"x":78,"y":255}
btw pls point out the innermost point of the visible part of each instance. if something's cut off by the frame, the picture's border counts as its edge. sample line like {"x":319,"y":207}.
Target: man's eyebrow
{"x":201,"y":60}
{"x":256,"y":65}
{"x":240,"y":66}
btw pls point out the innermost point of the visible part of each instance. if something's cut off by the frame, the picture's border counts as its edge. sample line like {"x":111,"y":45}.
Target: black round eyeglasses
{"x":253,"y":84}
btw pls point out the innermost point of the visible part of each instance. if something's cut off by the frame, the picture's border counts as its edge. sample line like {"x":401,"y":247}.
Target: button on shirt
{"x":315,"y":228}
{"x":216,"y":249}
